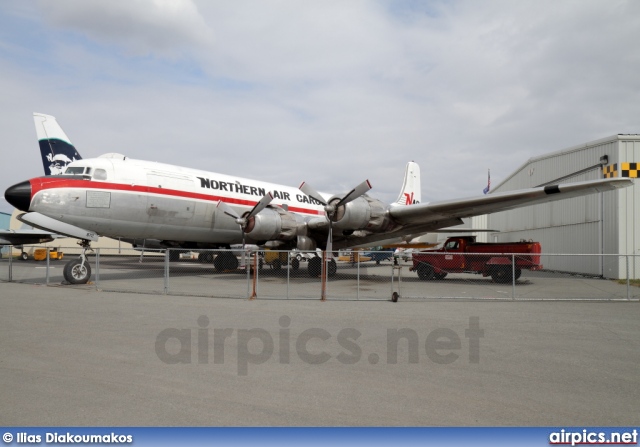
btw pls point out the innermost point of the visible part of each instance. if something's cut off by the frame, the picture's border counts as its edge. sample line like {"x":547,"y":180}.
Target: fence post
{"x":513,"y":276}
{"x":97,"y":268}
{"x":11,"y":263}
{"x":357,"y":256}
{"x":288,"y":270}
{"x":256,"y":264}
{"x":393,"y":275}
{"x":323,"y":277}
{"x":247,"y":267}
{"x":46,"y":281}
{"x":628,"y":280}
{"x":167,"y":255}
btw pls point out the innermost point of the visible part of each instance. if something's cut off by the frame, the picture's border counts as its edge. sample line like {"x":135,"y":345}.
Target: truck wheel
{"x":441,"y":275}
{"x":501,"y":274}
{"x":76,"y":273}
{"x":518,"y":273}
{"x":425,"y":272}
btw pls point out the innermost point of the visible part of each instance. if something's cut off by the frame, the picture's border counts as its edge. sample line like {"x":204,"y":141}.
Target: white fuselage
{"x":122,"y":197}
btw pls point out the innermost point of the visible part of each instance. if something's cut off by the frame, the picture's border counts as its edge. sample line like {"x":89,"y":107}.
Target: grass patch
{"x":633,"y":282}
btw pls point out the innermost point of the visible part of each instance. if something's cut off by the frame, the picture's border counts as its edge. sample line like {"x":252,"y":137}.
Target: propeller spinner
{"x":332,"y":207}
{"x":245,"y":221}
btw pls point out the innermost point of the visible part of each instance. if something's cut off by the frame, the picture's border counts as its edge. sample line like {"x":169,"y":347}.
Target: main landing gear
{"x":314,"y":267}
{"x":78,"y":271}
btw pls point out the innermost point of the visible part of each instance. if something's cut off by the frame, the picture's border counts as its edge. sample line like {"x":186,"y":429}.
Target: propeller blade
{"x":262,"y":204}
{"x":226,"y":209}
{"x":356,"y":192}
{"x":308,"y":190}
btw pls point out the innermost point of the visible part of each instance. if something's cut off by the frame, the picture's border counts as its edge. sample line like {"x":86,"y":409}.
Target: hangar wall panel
{"x":603,"y":223}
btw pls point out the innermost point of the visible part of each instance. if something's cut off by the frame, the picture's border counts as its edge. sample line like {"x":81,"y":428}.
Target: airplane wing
{"x":25,"y":237}
{"x":502,"y":201}
{"x":426,"y":217}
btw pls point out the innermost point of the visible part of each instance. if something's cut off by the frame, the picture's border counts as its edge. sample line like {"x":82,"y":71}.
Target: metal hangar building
{"x":600,"y":224}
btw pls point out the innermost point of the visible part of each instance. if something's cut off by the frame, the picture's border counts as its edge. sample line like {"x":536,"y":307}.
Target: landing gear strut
{"x":78,"y":271}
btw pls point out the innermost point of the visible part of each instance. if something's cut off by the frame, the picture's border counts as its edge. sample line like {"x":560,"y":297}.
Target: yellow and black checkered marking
{"x":629,"y":169}
{"x":610,"y":171}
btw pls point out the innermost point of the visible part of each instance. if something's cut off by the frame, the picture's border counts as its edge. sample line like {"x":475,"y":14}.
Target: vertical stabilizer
{"x":411,"y":188}
{"x":55,"y":147}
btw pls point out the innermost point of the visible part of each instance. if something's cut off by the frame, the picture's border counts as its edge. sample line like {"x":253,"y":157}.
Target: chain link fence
{"x":272,"y":274}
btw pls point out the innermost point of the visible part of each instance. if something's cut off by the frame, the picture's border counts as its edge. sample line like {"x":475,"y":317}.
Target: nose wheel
{"x":78,"y":271}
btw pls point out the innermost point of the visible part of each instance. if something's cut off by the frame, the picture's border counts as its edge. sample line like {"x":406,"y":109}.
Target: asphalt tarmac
{"x":74,"y":356}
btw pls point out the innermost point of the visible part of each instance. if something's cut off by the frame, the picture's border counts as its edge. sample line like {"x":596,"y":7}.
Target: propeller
{"x":245,"y":220}
{"x":333,"y":206}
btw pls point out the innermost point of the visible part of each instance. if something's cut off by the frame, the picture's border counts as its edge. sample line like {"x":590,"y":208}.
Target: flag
{"x":486,"y":190}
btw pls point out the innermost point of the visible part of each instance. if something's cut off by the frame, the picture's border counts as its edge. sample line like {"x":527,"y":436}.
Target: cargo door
{"x":169,"y":202}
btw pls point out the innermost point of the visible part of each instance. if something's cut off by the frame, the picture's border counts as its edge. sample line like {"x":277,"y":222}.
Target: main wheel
{"x":77,"y":273}
{"x":395,"y":296}
{"x":425,"y":272}
{"x":205,"y":257}
{"x":276,"y":264}
{"x":333,"y":267}
{"x":314,"y":267}
{"x":225,"y":261}
{"x":174,"y":255}
{"x":295,"y":264}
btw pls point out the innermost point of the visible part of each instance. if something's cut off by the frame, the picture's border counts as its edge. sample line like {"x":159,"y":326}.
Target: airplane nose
{"x":19,"y":195}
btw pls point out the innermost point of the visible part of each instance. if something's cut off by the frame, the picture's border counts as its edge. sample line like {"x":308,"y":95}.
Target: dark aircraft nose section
{"x":19,"y":195}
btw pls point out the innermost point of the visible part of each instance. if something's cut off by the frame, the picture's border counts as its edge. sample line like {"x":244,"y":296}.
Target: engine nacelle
{"x":272,"y":224}
{"x":363,"y":213}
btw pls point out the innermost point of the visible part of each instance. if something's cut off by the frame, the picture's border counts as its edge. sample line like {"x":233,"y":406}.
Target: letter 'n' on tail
{"x":410,"y":192}
{"x":55,"y":147}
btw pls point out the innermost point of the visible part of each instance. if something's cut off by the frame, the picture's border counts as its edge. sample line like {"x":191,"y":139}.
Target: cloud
{"x":141,"y":26}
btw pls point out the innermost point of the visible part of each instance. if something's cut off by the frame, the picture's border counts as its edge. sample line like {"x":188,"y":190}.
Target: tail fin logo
{"x":58,"y":163}
{"x":409,"y":199}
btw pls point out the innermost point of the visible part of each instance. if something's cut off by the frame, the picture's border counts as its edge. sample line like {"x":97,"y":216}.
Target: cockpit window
{"x":100,"y":174}
{"x":74,"y":170}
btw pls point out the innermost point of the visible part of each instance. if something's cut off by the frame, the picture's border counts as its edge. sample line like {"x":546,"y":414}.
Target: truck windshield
{"x":452,"y":245}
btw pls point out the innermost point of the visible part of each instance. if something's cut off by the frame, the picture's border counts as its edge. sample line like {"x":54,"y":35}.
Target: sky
{"x":331,"y":93}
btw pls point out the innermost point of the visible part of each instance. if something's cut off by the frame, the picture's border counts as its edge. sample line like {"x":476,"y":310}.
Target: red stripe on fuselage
{"x":42,"y":183}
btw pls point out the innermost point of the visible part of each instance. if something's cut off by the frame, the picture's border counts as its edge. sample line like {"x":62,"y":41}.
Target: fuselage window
{"x":100,"y":174}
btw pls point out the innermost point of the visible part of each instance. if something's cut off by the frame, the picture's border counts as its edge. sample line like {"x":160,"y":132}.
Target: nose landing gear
{"x":78,"y":271}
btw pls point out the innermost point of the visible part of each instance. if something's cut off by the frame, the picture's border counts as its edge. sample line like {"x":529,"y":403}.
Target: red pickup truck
{"x":465,"y":255}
